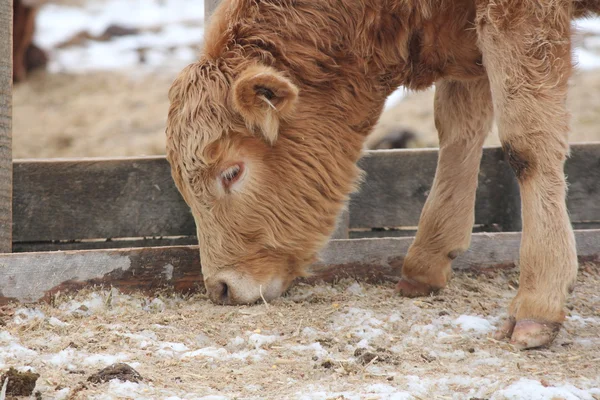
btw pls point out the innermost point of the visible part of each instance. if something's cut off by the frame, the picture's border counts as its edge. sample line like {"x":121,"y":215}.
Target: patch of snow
{"x":528,"y":389}
{"x":585,"y":59}
{"x":179,"y":347}
{"x":62,"y":394}
{"x":209,"y":352}
{"x":6,"y":337}
{"x":309,"y":332}
{"x":258,"y":340}
{"x":316,"y":348}
{"x":395,"y":98}
{"x":236,"y":343}
{"x":168,"y":31}
{"x":26,"y":315}
{"x":422,"y":329}
{"x":94,"y":304}
{"x":57,"y":322}
{"x":395,"y":317}
{"x":121,"y":388}
{"x":358,"y":323}
{"x":473,"y":323}
{"x":356,"y":289}
{"x":589,"y":25}
{"x":16,"y":351}
{"x":57,"y":23}
{"x":63,"y":358}
{"x":105,"y":359}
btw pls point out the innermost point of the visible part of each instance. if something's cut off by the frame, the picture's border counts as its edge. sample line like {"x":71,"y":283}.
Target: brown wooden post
{"x":6,"y":65}
{"x":209,"y":7}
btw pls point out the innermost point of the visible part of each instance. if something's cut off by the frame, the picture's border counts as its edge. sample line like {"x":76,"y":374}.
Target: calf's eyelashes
{"x":231,"y":174}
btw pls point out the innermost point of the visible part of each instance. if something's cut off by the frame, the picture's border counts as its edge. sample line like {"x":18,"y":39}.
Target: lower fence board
{"x":31,"y":277}
{"x":36,"y":247}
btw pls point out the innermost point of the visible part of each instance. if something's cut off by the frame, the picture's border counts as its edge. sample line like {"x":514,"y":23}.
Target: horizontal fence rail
{"x":178,"y":269}
{"x":90,"y":199}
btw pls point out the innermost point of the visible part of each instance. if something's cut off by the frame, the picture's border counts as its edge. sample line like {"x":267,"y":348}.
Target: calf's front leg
{"x":463,"y":117}
{"x":527,"y":55}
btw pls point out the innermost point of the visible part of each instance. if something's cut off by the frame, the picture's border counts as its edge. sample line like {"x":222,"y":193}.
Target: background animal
{"x":26,"y":55}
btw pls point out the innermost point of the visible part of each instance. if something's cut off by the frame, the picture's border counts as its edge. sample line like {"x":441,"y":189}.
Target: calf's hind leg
{"x":463,"y":117}
{"x":526,"y":52}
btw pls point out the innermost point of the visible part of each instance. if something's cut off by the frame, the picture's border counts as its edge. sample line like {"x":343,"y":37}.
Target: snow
{"x":527,"y":389}
{"x":25,"y":315}
{"x":473,"y":323}
{"x":588,"y":25}
{"x":257,"y":340}
{"x":169,"y":33}
{"x":350,"y":326}
{"x":209,"y":352}
{"x":105,"y":360}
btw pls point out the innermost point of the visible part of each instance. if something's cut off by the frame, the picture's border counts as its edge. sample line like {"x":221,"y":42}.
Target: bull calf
{"x":265,"y":129}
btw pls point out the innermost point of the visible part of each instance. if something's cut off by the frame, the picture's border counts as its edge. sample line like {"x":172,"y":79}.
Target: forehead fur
{"x":199,"y":112}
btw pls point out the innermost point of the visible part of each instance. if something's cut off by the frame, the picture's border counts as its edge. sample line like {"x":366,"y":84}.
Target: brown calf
{"x":26,"y":55}
{"x":265,"y":130}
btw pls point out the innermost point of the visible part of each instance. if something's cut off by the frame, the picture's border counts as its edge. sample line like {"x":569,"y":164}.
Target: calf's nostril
{"x":224,"y":296}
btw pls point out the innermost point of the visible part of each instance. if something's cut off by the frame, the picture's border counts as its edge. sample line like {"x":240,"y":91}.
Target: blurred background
{"x":92,"y":76}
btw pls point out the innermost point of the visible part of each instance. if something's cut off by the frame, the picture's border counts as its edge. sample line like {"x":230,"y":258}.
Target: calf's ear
{"x":263,"y":97}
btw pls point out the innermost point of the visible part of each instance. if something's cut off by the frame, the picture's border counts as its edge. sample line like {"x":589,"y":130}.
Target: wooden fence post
{"x":209,"y":7}
{"x":6,"y":65}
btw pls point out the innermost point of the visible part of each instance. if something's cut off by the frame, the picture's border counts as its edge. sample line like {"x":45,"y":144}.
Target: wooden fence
{"x":121,"y":221}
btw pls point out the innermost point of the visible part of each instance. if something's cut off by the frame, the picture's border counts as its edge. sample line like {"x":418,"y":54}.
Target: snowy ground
{"x":343,"y":341}
{"x":169,"y":34}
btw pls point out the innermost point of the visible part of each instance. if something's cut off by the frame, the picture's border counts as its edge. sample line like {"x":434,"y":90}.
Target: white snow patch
{"x":258,"y":340}
{"x":585,"y":59}
{"x":395,"y":98}
{"x":62,"y":394}
{"x":57,"y":322}
{"x":209,"y":352}
{"x":473,"y":323}
{"x":62,"y":358}
{"x":590,"y":25}
{"x":358,"y":323}
{"x":179,"y":347}
{"x":25,"y":315}
{"x":316,"y":348}
{"x":120,"y":388}
{"x":16,"y":351}
{"x":527,"y":389}
{"x":106,"y":359}
{"x":356,"y":289}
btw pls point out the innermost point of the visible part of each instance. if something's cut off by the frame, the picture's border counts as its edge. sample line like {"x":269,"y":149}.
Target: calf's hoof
{"x":410,"y":288}
{"x":527,"y":333}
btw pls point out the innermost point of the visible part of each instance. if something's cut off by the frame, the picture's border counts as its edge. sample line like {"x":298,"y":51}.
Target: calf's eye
{"x":231,"y":174}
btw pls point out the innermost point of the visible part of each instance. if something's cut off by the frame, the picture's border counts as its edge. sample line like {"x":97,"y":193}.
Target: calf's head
{"x":265,"y":168}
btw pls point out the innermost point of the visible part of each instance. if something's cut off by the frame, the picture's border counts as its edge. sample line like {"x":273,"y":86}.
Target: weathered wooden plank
{"x":583,"y":177}
{"x":136,"y":197}
{"x":398,"y":182}
{"x":28,"y":277}
{"x":6,"y":63}
{"x":97,"y":198}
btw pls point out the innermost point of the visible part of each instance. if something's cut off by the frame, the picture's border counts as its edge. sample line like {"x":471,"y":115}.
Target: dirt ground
{"x":113,"y":114}
{"x":342,"y":341}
